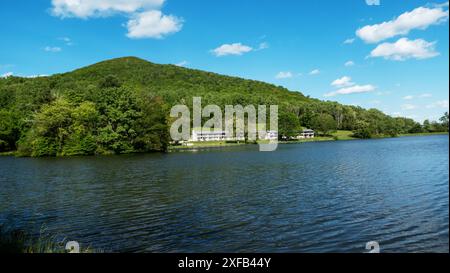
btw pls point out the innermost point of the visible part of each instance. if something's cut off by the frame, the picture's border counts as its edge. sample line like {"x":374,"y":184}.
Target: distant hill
{"x":121,"y":106}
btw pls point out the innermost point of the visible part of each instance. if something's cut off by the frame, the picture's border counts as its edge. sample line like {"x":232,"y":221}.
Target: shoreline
{"x":222,"y":144}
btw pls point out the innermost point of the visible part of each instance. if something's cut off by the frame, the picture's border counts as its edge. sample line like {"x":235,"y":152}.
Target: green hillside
{"x":122,"y":106}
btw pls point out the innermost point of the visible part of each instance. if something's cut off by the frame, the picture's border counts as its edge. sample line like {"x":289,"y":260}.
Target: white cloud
{"x":315,"y":72}
{"x":349,"y":63}
{"x":355,"y":89}
{"x":419,"y":18}
{"x":145,"y":18}
{"x":373,"y":2}
{"x":66,"y":40}
{"x":343,"y":82}
{"x":36,"y":76}
{"x":153,"y":24}
{"x":182,"y":63}
{"x":53,"y":49}
{"x":6,"y":75}
{"x":407,"y":107}
{"x":349,"y":41}
{"x":263,"y":45}
{"x":422,"y":96}
{"x":405,"y":49}
{"x":284,"y":75}
{"x":231,"y":49}
{"x":439,"y":104}
{"x":101,"y":8}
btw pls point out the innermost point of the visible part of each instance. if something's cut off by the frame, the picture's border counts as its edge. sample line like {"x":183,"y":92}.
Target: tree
{"x":152,"y":131}
{"x":288,"y":125}
{"x":427,"y":126}
{"x":9,"y":130}
{"x":82,"y":139}
{"x":362,"y":130}
{"x":445,"y":121}
{"x":110,"y":81}
{"x":324,"y":123}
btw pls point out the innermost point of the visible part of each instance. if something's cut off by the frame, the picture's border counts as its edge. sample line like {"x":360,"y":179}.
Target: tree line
{"x":122,"y":106}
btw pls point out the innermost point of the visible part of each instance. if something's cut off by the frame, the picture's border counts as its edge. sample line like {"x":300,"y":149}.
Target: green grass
{"x":8,"y":154}
{"x":343,"y":135}
{"x":18,"y":241}
{"x":338,"y":135}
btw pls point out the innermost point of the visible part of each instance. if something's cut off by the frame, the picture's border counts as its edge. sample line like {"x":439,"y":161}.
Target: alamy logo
{"x":241,"y":123}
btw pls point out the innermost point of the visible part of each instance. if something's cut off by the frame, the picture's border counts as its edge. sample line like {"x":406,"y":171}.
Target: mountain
{"x":122,"y":106}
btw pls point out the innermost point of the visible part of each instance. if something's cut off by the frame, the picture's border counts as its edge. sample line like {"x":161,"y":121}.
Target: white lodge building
{"x":199,"y":135}
{"x":307,"y":134}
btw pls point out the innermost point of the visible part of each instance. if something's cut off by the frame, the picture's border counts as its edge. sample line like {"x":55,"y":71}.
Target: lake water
{"x":312,"y":197}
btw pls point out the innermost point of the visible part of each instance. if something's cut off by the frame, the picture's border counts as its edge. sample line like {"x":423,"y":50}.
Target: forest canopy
{"x":122,"y":106}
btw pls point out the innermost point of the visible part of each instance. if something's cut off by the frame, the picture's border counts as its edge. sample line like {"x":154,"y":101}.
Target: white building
{"x":209,"y":136}
{"x":199,"y":135}
{"x":270,"y":135}
{"x":308,"y":133}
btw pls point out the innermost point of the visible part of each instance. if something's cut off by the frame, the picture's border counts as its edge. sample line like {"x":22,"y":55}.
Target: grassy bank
{"x":340,"y":135}
{"x":209,"y":144}
{"x":8,"y":153}
{"x":18,"y":241}
{"x":423,"y":134}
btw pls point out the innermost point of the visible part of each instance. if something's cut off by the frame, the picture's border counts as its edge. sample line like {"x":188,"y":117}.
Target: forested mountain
{"x":122,"y":106}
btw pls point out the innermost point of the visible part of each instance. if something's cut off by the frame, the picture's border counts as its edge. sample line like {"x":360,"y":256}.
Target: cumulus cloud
{"x":355,"y":89}
{"x":53,"y":49}
{"x":349,"y":63}
{"x":408,"y":97}
{"x":284,"y":75}
{"x":6,"y":75}
{"x":153,"y":24}
{"x":343,"y":82}
{"x":145,"y":18}
{"x":101,"y":8}
{"x":315,"y":72}
{"x":405,"y":49}
{"x":231,"y":49}
{"x":419,"y":18}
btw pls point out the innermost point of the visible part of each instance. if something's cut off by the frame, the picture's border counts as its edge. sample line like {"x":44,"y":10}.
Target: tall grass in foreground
{"x":18,"y":241}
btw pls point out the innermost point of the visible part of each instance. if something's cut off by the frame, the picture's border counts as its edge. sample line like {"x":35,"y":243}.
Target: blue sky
{"x":392,"y":56}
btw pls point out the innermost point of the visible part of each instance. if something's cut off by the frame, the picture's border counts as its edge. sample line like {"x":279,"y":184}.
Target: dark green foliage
{"x":324,"y":124}
{"x":122,"y":106}
{"x":288,"y":125}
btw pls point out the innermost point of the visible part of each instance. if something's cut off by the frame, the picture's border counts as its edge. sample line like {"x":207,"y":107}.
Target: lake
{"x":311,"y":197}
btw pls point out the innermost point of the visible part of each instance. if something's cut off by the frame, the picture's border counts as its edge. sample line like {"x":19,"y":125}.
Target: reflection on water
{"x":312,"y":197}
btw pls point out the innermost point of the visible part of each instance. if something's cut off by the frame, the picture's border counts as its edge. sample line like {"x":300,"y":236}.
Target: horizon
{"x":398,"y":68}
